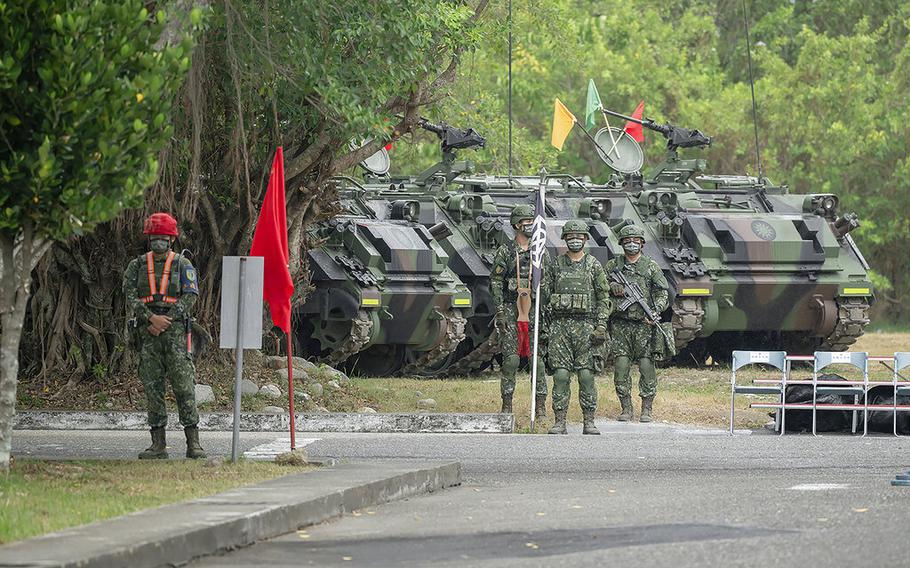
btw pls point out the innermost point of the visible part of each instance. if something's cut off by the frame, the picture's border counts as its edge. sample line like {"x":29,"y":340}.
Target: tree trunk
{"x":17,"y":259}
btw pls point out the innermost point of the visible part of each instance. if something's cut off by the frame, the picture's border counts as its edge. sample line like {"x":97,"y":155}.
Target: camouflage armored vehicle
{"x":384,"y":299}
{"x":750,"y":265}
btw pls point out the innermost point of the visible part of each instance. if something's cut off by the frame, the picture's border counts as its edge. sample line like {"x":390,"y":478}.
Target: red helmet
{"x":160,"y":224}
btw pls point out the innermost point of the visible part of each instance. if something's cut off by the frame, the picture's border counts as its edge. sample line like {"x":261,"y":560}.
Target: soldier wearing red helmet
{"x":161,"y":289}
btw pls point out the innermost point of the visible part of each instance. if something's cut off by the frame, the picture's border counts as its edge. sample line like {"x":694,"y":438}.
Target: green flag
{"x":593,"y":105}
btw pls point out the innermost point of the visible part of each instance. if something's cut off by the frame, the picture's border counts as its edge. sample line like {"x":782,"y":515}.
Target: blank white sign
{"x":252,"y":301}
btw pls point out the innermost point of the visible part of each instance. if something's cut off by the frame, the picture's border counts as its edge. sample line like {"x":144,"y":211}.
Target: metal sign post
{"x":241,"y":321}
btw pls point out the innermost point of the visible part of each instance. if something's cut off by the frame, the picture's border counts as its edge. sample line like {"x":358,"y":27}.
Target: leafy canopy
{"x":85,"y":100}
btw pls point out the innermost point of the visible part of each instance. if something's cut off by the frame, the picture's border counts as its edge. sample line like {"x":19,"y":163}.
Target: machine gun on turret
{"x":677,"y":136}
{"x":451,"y":138}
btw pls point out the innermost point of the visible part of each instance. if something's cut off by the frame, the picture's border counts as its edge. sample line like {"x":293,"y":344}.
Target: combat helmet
{"x":160,"y":224}
{"x":519,"y":213}
{"x":574,"y":226}
{"x":631,"y":231}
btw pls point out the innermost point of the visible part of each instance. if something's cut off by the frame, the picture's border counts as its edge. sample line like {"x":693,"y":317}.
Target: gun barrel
{"x":434,"y":128}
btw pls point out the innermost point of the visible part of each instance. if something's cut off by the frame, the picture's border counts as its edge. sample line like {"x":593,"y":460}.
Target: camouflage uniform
{"x":164,"y":357}
{"x":503,"y":285}
{"x":632,"y":338}
{"x":579,"y":303}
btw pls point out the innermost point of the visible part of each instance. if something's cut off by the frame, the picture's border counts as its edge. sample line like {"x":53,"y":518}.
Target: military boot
{"x":646,"y":403}
{"x":506,"y":405}
{"x":158,"y":449}
{"x":560,"y":426}
{"x":540,"y":406}
{"x":626,"y":413}
{"x":589,"y":427}
{"x":193,"y":450}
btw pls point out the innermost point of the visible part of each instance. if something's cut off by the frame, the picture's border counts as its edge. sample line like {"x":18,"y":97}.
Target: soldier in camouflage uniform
{"x":632,"y":334}
{"x":579,"y":311}
{"x":161,"y":289}
{"x":505,"y":278}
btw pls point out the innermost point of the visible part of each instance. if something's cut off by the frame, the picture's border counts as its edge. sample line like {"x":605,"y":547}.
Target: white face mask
{"x":632,"y":247}
{"x":575,"y":244}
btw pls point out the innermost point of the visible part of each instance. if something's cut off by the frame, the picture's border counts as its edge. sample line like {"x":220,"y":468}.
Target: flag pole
{"x":540,"y":197}
{"x":291,"y":393}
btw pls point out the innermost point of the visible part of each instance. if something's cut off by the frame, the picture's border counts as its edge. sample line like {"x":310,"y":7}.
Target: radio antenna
{"x":510,"y":92}
{"x":761,"y":173}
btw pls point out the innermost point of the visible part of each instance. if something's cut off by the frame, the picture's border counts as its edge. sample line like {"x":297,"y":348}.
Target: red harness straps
{"x":158,"y":292}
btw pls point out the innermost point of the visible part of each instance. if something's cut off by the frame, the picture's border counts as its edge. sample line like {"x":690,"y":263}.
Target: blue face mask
{"x":159,"y":245}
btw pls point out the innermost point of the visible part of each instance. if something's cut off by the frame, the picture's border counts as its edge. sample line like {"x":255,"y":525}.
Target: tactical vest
{"x":518,"y":271}
{"x":574,"y":290}
{"x":164,"y":291}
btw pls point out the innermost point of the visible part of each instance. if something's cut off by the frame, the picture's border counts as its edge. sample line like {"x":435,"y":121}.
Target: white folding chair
{"x":901,"y":361}
{"x":776,"y":359}
{"x":860,"y":360}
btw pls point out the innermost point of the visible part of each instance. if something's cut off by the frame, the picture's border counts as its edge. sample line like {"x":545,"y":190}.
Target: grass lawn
{"x":46,"y":496}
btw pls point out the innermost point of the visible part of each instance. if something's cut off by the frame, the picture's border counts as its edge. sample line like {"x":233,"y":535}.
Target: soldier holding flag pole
{"x":538,"y":256}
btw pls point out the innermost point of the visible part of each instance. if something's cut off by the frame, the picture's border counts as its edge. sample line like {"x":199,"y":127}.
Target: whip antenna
{"x":510,"y":92}
{"x":761,"y":174}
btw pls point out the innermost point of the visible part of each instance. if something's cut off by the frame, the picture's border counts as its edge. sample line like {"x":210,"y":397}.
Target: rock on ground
{"x":299,"y":375}
{"x":204,"y":394}
{"x":367,"y":410}
{"x":301,"y":396}
{"x":316,"y":389}
{"x":273,"y":410}
{"x":270,"y":391}
{"x":248,"y":388}
{"x":321,"y":410}
{"x":426,"y":403}
{"x":333,"y":385}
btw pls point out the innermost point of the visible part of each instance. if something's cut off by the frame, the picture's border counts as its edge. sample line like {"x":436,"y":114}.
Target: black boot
{"x":589,"y":427}
{"x":646,"y":403}
{"x":506,"y":405}
{"x":158,"y":449}
{"x":560,"y":426}
{"x":540,"y":406}
{"x":193,"y":450}
{"x":626,"y":414}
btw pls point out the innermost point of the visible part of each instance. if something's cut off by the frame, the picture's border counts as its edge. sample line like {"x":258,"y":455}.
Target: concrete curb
{"x":447,"y":423}
{"x":176,"y":534}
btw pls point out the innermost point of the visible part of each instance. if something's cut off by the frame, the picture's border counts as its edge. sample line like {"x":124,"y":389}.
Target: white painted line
{"x":818,"y":486}
{"x":268,"y":451}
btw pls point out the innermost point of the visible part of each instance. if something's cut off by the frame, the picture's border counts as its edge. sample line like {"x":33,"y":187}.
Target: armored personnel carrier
{"x":749,"y":264}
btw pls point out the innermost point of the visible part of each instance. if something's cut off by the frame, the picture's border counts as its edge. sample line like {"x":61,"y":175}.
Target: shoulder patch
{"x":499,"y":269}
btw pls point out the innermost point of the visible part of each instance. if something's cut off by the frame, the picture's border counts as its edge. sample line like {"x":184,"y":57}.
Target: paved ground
{"x":636,"y":496}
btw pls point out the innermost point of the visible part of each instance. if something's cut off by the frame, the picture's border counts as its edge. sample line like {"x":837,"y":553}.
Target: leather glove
{"x":599,"y":336}
{"x":616,"y":289}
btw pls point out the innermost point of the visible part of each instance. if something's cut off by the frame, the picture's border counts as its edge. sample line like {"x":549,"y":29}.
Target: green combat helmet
{"x":520,"y":213}
{"x":574,"y":226}
{"x":630,"y":231}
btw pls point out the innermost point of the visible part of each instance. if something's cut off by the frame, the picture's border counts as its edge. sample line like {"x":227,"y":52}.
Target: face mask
{"x":575,"y":245}
{"x":159,"y":245}
{"x":527,"y":230}
{"x":631,"y":247}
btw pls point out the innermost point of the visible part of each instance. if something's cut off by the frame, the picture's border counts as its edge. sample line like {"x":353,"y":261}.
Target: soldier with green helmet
{"x":579,"y":308}
{"x":510,"y":278}
{"x":633,"y":335}
{"x":161,"y":289}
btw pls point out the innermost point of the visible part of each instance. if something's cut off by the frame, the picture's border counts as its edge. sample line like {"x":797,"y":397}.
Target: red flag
{"x":524,"y":339}
{"x":634,"y":129}
{"x":271,"y":242}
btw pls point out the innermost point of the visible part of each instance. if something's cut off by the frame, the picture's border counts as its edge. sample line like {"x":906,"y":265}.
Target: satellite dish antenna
{"x":625,"y":156}
{"x":378,"y":163}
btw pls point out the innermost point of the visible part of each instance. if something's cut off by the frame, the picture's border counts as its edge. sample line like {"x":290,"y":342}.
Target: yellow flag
{"x":563,"y":121}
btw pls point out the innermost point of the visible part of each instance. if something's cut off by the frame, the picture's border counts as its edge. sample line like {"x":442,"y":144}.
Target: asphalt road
{"x":636,"y":496}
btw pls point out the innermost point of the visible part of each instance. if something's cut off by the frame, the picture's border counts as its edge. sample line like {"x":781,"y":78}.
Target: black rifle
{"x":677,"y":136}
{"x":635,"y":295}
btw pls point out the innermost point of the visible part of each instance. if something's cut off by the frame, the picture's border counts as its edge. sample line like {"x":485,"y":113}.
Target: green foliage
{"x":832,"y":87}
{"x":85,"y":101}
